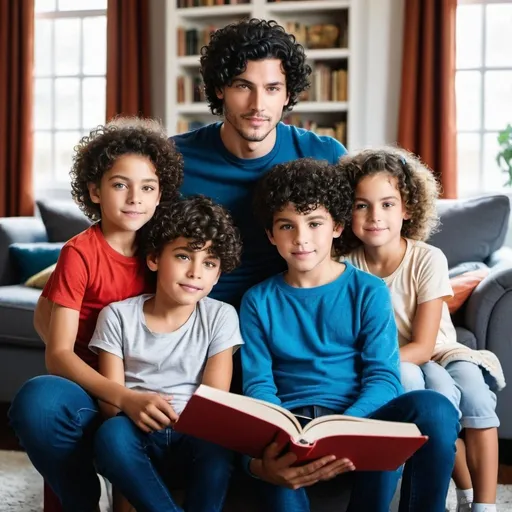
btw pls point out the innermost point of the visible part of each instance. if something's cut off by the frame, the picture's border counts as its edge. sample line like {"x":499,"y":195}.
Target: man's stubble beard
{"x":228,"y":117}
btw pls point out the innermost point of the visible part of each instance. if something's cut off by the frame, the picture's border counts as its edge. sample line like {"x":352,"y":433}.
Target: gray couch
{"x":471,"y":236}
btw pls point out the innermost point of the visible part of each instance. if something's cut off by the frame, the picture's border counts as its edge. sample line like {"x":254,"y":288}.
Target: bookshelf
{"x":331,"y":104}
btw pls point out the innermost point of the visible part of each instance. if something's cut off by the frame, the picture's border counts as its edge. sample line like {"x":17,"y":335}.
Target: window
{"x":69,"y":83}
{"x":483,"y":91}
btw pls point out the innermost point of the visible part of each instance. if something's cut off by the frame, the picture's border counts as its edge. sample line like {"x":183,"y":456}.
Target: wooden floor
{"x":8,"y":441}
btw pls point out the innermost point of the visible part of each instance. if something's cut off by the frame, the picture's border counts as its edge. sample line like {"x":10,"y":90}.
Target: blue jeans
{"x":426,"y":475}
{"x":430,"y":375}
{"x":138,"y":464}
{"x":55,"y":420}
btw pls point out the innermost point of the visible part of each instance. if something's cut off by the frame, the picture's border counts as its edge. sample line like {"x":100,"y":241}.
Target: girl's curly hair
{"x":230,"y":47}
{"x":201,"y":220}
{"x":418,"y":188}
{"x":308,"y":184}
{"x":97,"y":152}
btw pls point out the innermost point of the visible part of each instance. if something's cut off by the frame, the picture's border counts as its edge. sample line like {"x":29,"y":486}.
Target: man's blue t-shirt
{"x":211,"y":170}
{"x":333,"y":345}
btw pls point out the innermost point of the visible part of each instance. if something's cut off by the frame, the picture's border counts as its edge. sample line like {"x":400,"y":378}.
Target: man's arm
{"x":42,"y":316}
{"x":425,"y":329}
{"x":380,"y":379}
{"x":258,"y":378}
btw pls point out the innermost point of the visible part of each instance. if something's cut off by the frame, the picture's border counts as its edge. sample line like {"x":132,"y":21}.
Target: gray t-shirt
{"x":170,"y":363}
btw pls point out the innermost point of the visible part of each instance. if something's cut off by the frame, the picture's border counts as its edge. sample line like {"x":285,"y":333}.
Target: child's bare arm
{"x":425,"y":329}
{"x":219,"y":370}
{"x":42,"y":317}
{"x":61,"y":359}
{"x":111,"y":367}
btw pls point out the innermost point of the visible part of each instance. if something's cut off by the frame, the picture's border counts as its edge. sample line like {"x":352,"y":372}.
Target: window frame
{"x":51,"y":186}
{"x":482,"y":131}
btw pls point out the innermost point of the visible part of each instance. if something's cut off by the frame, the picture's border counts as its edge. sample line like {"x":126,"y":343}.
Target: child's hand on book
{"x":149,"y":411}
{"x":279,"y":470}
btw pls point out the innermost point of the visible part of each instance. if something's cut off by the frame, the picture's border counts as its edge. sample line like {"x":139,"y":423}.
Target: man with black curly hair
{"x":321,"y":339}
{"x":120,"y":173}
{"x":169,"y":343}
{"x":253,"y":72}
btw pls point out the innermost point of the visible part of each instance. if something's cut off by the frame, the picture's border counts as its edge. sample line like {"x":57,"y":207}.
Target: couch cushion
{"x":62,"y":219}
{"x":17,"y":304}
{"x":471,"y":229}
{"x":31,"y":258}
{"x":466,"y":337}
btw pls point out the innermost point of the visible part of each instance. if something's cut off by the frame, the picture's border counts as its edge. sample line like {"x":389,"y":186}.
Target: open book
{"x":247,"y":425}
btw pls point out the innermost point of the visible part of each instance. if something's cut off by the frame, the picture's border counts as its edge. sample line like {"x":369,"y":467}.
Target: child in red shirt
{"x":120,"y":174}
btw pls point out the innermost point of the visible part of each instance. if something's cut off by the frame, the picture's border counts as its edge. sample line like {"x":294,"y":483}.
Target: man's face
{"x":254,"y":102}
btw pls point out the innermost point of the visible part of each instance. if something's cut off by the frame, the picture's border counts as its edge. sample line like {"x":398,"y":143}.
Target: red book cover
{"x":247,"y":426}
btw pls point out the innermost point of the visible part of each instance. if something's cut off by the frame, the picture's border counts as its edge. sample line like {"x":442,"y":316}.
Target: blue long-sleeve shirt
{"x":210,"y":169}
{"x":333,"y":345}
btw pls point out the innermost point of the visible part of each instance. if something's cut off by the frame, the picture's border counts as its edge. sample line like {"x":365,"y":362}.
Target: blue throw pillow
{"x":31,"y":258}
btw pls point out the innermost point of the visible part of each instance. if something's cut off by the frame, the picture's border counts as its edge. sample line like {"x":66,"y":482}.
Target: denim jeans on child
{"x":138,"y":464}
{"x":55,"y":420}
{"x":57,"y":423}
{"x":426,"y":475}
{"x":463,"y":383}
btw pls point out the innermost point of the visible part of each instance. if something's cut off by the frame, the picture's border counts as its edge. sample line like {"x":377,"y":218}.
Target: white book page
{"x":272,"y":413}
{"x":332,"y":425}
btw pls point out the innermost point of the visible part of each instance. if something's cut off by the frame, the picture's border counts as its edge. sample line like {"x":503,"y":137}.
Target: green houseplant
{"x":504,"y":157}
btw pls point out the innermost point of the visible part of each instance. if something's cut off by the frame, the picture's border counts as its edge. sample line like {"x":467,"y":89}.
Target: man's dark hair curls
{"x":201,"y":220}
{"x":230,"y":47}
{"x":308,"y":184}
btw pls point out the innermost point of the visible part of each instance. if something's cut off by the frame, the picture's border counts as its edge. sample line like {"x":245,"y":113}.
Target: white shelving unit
{"x":325,"y":113}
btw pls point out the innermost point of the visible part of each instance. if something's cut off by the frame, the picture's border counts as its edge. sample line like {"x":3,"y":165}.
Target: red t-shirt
{"x":89,"y":275}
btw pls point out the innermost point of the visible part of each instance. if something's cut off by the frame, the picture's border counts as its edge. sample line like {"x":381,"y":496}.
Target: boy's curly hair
{"x":230,"y":47}
{"x":308,"y":184}
{"x":97,"y":152}
{"x":416,"y":183}
{"x":201,"y":220}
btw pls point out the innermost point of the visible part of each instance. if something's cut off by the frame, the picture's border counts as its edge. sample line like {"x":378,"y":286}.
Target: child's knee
{"x":115,"y":436}
{"x":411,"y":377}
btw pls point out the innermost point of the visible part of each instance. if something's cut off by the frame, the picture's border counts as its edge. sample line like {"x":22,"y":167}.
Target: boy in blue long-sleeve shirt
{"x":321,"y":339}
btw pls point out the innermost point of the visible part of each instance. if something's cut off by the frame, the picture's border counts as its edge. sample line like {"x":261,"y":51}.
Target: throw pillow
{"x":31,"y":258}
{"x":62,"y":219}
{"x":463,"y":286}
{"x":40,"y":279}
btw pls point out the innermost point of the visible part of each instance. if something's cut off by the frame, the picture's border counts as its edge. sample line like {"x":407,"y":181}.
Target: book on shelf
{"x":327,"y":84}
{"x":191,"y":40}
{"x":208,"y":3}
{"x":190,"y":89}
{"x":247,"y":425}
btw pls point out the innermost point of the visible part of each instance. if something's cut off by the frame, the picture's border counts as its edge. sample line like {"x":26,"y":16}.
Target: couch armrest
{"x":13,"y":230}
{"x":501,"y":258}
{"x":488,"y":309}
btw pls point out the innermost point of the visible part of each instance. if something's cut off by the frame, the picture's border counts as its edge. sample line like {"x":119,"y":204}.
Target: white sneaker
{"x":464,"y":507}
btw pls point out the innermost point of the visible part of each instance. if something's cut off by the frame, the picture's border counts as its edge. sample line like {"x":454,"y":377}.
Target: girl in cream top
{"x":394,"y":212}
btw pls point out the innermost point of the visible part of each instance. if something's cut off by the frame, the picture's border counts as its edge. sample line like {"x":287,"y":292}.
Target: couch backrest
{"x":471,"y":229}
{"x":12,"y":230}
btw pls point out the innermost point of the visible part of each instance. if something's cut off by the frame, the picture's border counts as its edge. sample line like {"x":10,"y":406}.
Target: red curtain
{"x":16,"y":90}
{"x":427,"y":122}
{"x":128,"y":58}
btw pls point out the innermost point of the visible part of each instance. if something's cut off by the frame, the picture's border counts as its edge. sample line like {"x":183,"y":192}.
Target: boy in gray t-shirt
{"x":170,"y":343}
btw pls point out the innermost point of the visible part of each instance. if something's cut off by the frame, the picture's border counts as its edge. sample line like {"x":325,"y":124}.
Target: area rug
{"x":21,"y":487}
